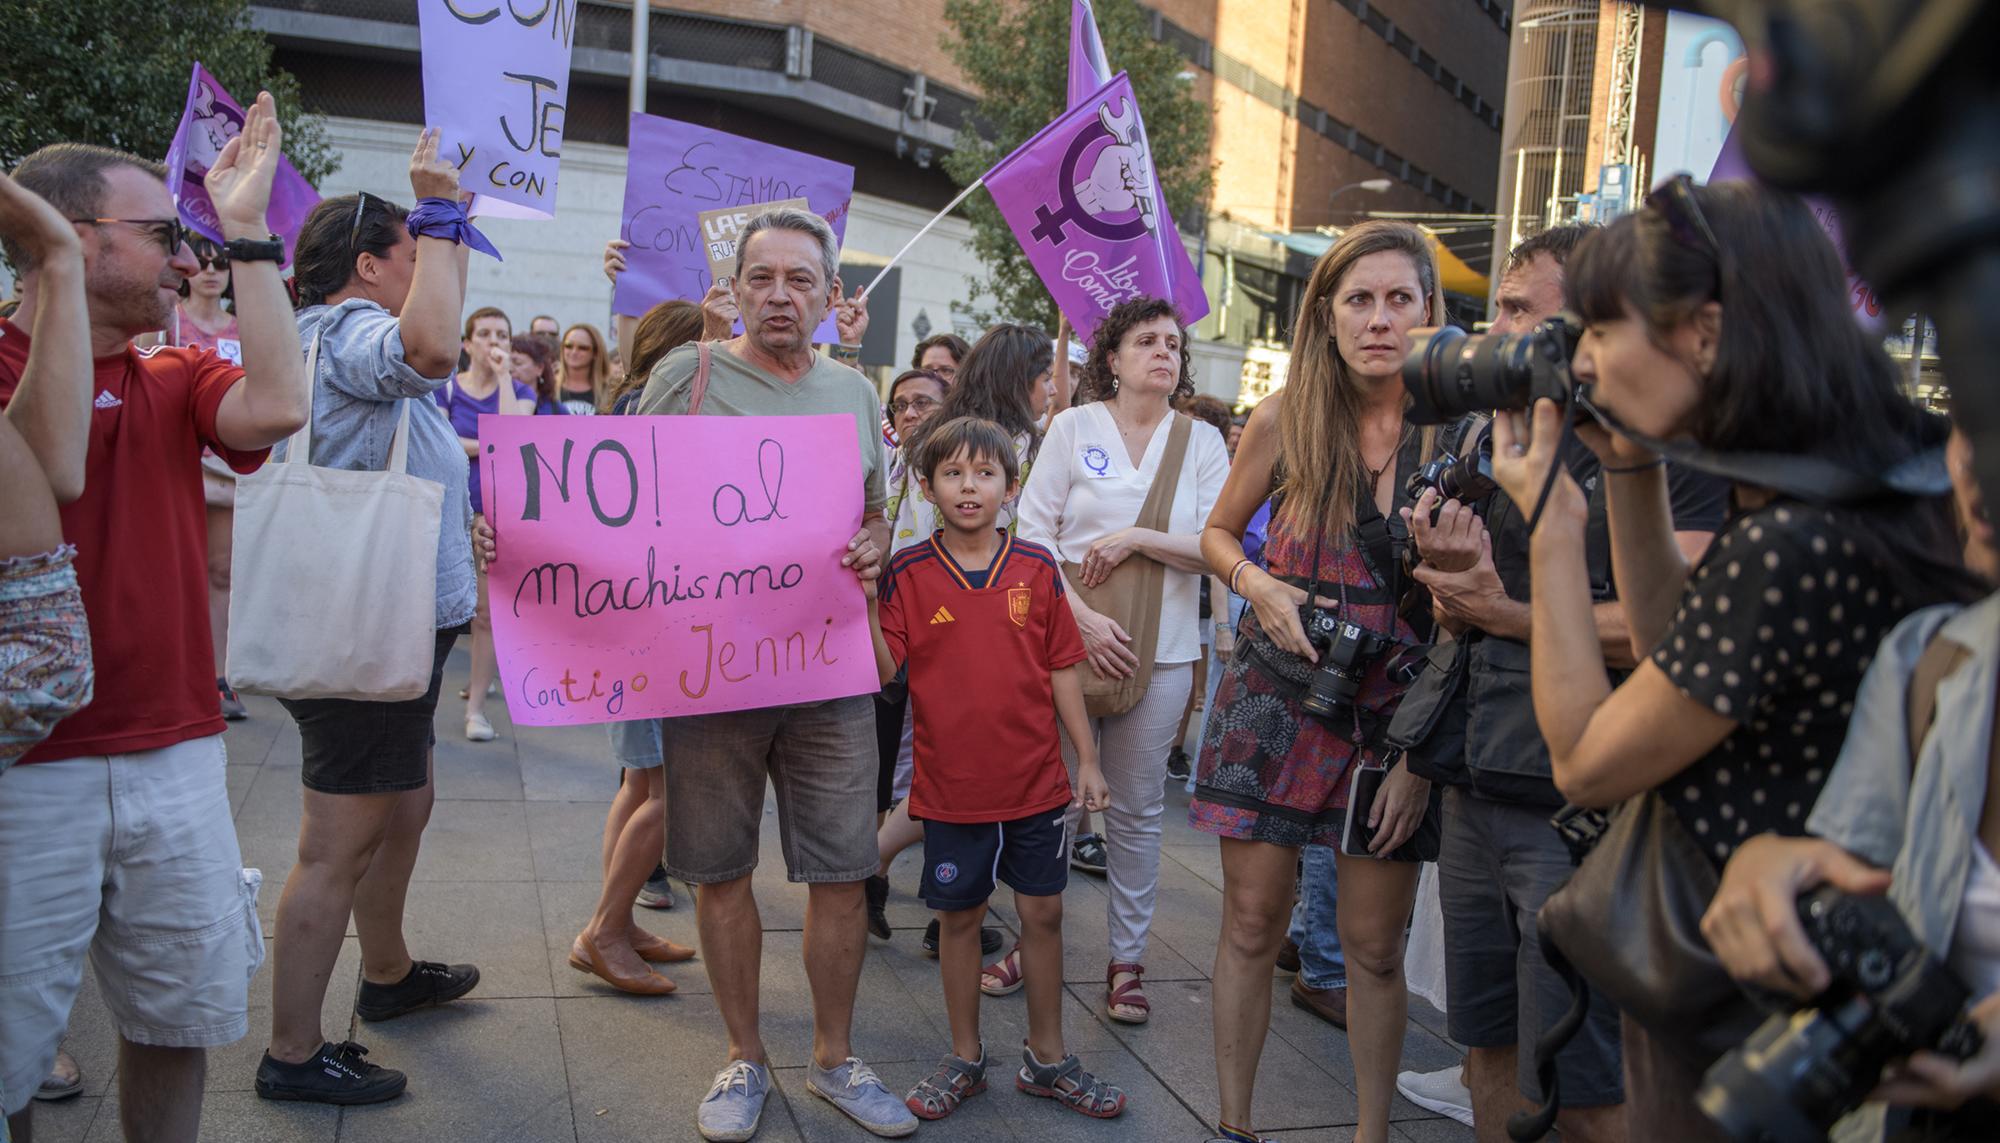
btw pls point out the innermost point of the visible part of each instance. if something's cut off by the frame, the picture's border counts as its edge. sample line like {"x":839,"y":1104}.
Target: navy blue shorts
{"x":964,"y":862}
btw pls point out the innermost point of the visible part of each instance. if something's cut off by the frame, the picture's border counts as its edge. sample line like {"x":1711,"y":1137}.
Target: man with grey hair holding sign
{"x":820,"y":756}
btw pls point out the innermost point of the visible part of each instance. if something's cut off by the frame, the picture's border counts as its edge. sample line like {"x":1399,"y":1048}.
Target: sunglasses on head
{"x":354,"y":231}
{"x":170,"y":233}
{"x":1675,"y":202}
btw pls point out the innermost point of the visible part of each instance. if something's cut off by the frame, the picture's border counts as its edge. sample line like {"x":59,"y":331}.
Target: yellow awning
{"x":1454,"y":274}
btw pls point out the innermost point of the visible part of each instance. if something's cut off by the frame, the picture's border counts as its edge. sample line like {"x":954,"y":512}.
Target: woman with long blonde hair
{"x":1333,"y":453}
{"x":583,"y":370}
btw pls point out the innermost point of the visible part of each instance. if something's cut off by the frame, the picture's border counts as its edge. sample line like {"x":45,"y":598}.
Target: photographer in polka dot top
{"x":1718,"y":315}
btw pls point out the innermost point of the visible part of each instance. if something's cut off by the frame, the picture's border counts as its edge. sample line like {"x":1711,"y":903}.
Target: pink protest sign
{"x":651,"y":567}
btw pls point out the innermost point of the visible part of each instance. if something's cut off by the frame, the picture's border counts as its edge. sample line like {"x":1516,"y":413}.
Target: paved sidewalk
{"x":541,"y":1053}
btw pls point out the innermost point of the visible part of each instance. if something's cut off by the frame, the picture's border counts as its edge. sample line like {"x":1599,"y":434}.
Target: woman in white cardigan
{"x":1096,"y":466}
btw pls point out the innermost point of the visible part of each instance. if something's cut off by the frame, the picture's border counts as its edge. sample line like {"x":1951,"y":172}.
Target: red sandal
{"x":1005,"y":975}
{"x":1131,"y":994}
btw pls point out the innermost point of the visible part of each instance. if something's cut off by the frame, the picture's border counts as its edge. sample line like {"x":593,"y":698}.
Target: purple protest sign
{"x":496,"y":88}
{"x":676,"y":171}
{"x":1861,"y":299}
{"x":1083,"y":202}
{"x":1088,"y":68}
{"x":208,"y":122}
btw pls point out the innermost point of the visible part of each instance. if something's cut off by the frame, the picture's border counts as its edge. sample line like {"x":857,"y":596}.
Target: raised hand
{"x":39,"y":229}
{"x":430,"y":176}
{"x":614,"y":258}
{"x":239,"y":184}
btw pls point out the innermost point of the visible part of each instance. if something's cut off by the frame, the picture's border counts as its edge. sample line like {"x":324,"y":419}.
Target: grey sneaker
{"x":658,"y":892}
{"x":853,"y":1088}
{"x":734,"y":1103}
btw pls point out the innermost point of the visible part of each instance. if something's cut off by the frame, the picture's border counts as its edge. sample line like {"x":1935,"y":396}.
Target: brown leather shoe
{"x":1288,"y":956}
{"x":592,"y":962}
{"x":659,"y":950}
{"x":1329,"y":1004}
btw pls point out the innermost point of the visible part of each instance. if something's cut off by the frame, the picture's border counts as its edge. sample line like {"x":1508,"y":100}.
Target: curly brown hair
{"x":1098,"y":383}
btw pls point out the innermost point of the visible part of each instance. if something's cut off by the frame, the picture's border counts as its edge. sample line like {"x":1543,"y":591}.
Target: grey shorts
{"x":1499,"y":862}
{"x":821,"y":759}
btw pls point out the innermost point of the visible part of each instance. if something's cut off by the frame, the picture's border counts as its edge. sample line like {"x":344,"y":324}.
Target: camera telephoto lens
{"x":1449,"y":373}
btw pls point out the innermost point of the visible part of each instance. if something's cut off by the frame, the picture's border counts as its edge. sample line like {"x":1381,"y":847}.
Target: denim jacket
{"x":1922,"y":825}
{"x":357,"y":397}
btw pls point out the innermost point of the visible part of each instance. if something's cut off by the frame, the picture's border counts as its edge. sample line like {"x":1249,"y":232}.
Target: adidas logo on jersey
{"x":943,"y":616}
{"x":105,"y":400}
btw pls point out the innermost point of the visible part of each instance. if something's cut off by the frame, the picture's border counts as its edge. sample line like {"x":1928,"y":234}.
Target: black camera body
{"x":1463,"y":468}
{"x":1801,"y":1071}
{"x":1345,"y":650}
{"x":1450,"y":373}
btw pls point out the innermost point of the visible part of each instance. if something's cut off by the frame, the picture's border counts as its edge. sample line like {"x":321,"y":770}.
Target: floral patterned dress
{"x":1269,"y":771}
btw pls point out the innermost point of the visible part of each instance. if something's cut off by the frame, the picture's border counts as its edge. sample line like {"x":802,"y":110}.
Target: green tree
{"x":115,"y":72}
{"x":1017,"y":52}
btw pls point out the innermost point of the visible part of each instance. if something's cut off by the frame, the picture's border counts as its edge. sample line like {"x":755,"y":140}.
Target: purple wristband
{"x":444,"y":218}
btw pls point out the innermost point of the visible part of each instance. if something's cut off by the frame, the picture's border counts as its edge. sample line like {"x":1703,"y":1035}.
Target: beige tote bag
{"x":334,"y":591}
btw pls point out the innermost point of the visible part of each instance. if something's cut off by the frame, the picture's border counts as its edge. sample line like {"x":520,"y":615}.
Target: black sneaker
{"x":337,"y":1073}
{"x":428,"y":984}
{"x":1088,"y":854}
{"x":989,"y":941}
{"x":1178,"y":765}
{"x":877,"y":888}
{"x":232,"y":707}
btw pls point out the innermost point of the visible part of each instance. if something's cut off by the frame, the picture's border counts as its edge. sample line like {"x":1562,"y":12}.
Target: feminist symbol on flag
{"x":1113,"y":198}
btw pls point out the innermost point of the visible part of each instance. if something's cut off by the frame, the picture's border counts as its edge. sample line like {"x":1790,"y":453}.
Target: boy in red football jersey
{"x":980,"y":620}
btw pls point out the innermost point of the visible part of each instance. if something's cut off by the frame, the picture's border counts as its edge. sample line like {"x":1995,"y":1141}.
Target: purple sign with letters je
{"x":677,"y":171}
{"x":496,"y":80}
{"x":1083,"y":202}
{"x":208,"y":122}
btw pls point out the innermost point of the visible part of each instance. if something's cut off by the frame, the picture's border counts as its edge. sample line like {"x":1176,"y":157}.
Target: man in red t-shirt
{"x":979,"y":619}
{"x":115,"y":833}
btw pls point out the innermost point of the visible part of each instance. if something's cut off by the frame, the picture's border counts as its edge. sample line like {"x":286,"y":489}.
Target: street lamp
{"x":1372,"y":186}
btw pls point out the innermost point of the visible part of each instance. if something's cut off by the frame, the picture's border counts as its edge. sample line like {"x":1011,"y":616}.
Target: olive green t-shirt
{"x":739,"y":389}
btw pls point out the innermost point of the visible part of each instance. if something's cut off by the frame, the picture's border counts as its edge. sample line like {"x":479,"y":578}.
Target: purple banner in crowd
{"x":1083,"y":203}
{"x":208,"y":122}
{"x":496,"y":82}
{"x":1861,"y":299}
{"x":1088,"y":67}
{"x":676,"y":171}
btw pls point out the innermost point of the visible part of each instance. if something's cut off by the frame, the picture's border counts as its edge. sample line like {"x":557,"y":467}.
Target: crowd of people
{"x":1070,"y":560}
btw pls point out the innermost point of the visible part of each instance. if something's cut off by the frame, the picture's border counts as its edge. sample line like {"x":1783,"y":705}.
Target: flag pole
{"x":949,"y":207}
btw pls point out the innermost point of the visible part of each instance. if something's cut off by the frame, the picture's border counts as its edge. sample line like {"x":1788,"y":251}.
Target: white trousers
{"x":1132,"y":748}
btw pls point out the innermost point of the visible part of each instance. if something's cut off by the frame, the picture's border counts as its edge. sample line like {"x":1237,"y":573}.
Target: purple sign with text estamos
{"x":676,"y":171}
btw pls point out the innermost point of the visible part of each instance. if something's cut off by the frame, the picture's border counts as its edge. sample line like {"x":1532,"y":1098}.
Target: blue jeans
{"x":1320,"y":964}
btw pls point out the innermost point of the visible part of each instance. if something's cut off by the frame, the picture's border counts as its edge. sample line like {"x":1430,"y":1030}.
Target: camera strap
{"x":1812,"y":479}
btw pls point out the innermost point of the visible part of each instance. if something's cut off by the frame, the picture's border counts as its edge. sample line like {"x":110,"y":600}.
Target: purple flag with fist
{"x":1083,"y":202}
{"x":208,"y":122}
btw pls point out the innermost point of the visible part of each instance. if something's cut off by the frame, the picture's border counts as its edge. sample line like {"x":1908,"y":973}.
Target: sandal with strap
{"x":1068,"y":1084}
{"x":1005,"y":975}
{"x":954,"y":1081}
{"x":1131,"y":994}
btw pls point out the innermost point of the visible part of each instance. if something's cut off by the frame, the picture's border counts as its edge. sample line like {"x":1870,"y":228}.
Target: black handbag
{"x":1629,"y":919}
{"x":1428,"y":729}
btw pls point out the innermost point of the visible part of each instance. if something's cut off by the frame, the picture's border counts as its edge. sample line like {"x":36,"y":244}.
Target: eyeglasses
{"x":168,"y":232}
{"x":1675,"y":202}
{"x":354,"y":231}
{"x":216,"y":261}
{"x":578,"y":346}
{"x":902,"y":405}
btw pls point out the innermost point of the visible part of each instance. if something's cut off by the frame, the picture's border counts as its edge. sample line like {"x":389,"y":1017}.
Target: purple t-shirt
{"x":463,"y":409}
